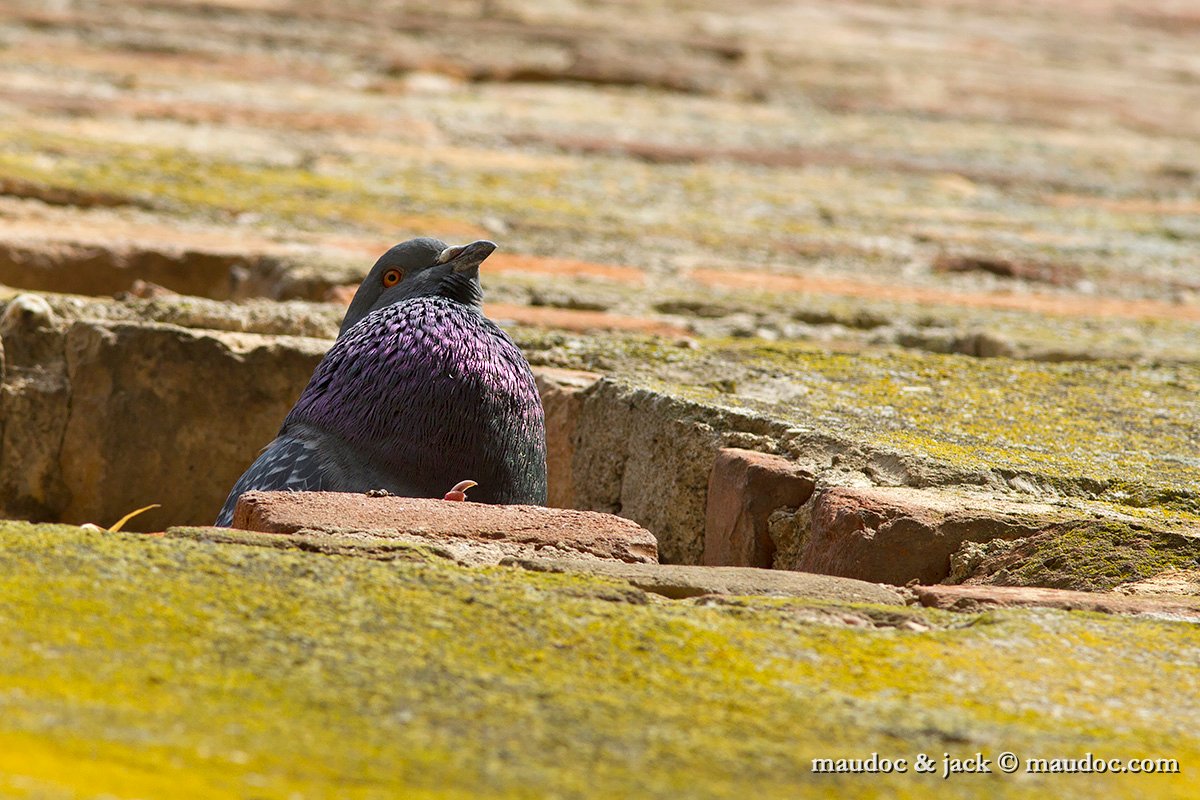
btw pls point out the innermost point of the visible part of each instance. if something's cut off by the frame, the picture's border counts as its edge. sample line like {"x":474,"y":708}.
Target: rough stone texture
{"x":561,"y":398}
{"x":920,"y":420}
{"x":359,"y":545}
{"x":287,"y":318}
{"x":143,"y":666}
{"x":34,"y":401}
{"x":647,"y":457}
{"x":765,"y":190}
{"x":1091,"y":553}
{"x":975,"y":598}
{"x":898,"y":534}
{"x":100,"y":418}
{"x":472,"y":532}
{"x":90,"y":268}
{"x":1172,"y":582}
{"x":247,"y":266}
{"x":124,"y":373}
{"x":744,"y":489}
{"x":678,"y":581}
{"x":789,"y":534}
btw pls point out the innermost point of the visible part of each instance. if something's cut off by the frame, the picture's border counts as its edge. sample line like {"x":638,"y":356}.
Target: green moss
{"x":1106,"y":430}
{"x":1096,"y":556}
{"x":376,"y":547}
{"x":144,"y":666}
{"x":1157,"y":515}
{"x":430,"y":195}
{"x":555,"y":202}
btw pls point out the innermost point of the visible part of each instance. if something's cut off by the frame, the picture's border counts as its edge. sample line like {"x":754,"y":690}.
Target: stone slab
{"x":744,"y":488}
{"x":471,"y":532}
{"x":680,"y":581}
{"x":561,"y":390}
{"x":146,"y":666}
{"x":897,"y":534}
{"x":974,"y":598}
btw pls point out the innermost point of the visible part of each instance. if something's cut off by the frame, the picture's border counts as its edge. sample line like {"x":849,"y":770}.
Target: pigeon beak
{"x":466,"y":257}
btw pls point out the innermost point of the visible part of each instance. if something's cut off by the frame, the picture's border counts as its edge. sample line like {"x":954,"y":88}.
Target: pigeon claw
{"x":459,"y":492}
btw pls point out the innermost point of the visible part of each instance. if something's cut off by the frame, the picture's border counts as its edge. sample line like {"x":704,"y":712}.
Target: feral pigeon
{"x":420,"y":393}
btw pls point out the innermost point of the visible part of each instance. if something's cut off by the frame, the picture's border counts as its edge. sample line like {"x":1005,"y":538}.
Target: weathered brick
{"x":744,"y":488}
{"x":472,"y":532}
{"x":561,"y":398}
{"x":898,"y":534}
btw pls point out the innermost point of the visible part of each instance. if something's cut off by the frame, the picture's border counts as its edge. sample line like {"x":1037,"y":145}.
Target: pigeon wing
{"x":288,"y":464}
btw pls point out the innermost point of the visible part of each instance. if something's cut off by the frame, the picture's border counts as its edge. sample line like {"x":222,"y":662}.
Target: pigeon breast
{"x":432,"y":392}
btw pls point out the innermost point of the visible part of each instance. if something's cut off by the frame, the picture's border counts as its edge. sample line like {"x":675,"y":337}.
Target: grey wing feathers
{"x":288,"y":464}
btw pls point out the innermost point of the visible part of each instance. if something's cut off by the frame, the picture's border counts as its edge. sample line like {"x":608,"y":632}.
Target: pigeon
{"x":420,"y":393}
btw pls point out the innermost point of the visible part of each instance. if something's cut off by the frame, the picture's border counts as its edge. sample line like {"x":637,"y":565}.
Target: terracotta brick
{"x":744,"y":488}
{"x":561,"y":391}
{"x":472,"y":532}
{"x":898,"y":534}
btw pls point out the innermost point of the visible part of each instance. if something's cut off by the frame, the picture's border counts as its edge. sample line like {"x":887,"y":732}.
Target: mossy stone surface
{"x":136,"y":666}
{"x":1114,"y":431}
{"x":1092,"y":557}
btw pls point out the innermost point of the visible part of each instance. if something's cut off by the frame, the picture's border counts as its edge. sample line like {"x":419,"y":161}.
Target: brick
{"x":744,"y":488}
{"x":561,"y":391}
{"x":898,"y":534}
{"x":472,"y":532}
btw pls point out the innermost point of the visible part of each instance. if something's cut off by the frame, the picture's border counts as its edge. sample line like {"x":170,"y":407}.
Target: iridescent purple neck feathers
{"x":433,"y":392}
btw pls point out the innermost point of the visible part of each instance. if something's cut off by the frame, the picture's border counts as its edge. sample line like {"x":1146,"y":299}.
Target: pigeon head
{"x":420,"y":268}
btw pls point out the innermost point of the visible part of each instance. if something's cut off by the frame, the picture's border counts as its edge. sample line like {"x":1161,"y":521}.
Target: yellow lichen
{"x":142,"y":666}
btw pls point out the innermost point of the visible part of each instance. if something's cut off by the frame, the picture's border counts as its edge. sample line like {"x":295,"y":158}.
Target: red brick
{"x":744,"y":488}
{"x":561,"y":391}
{"x":898,"y":534}
{"x":472,"y":531}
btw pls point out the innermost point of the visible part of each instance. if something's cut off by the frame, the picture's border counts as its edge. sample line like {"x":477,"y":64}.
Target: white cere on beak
{"x":448,"y":253}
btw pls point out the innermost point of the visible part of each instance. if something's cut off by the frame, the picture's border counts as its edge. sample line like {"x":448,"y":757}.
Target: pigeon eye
{"x":392,"y":277}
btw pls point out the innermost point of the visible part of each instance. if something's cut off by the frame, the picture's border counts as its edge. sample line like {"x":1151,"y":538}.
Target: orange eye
{"x":392,"y":277}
